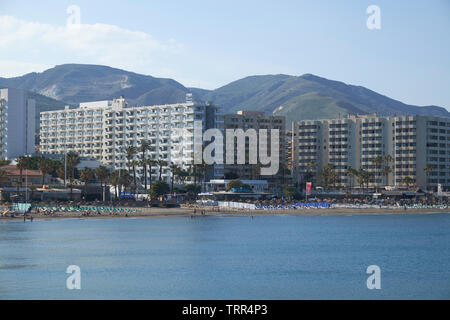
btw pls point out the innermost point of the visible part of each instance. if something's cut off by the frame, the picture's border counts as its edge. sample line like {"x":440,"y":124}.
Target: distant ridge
{"x":309,"y":97}
{"x":297,"y":97}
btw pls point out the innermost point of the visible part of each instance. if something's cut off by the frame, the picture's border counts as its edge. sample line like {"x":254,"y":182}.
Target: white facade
{"x":414,"y":143}
{"x":104,"y":129}
{"x":217,"y":185}
{"x":17,"y":123}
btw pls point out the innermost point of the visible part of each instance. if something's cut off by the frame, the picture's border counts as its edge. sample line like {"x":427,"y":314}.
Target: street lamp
{"x":65,"y":166}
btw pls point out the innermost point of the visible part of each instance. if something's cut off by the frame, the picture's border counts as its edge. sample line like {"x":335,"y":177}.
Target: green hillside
{"x":298,"y":98}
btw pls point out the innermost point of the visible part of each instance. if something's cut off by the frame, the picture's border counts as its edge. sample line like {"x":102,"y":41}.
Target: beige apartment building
{"x":257,"y":120}
{"x":419,"y":148}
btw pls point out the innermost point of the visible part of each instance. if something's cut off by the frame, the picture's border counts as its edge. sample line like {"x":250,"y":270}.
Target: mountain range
{"x":297,"y":97}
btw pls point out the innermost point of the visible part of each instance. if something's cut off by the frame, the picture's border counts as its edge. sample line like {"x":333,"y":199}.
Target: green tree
{"x":183,"y":175}
{"x":378,"y":161}
{"x":159,"y":188}
{"x":236,"y":184}
{"x":231,"y":175}
{"x":87,"y":175}
{"x":256,"y":170}
{"x":175,"y":170}
{"x":387,"y":168}
{"x":194,"y":172}
{"x":310,"y":171}
{"x":291,"y":193}
{"x":131,"y":152}
{"x":351,"y":174}
{"x":364,"y":178}
{"x":145,"y":146}
{"x":150,"y":162}
{"x":133,"y":164}
{"x":46,"y":167}
{"x":407,"y":181}
{"x":161,"y":163}
{"x":114,"y":181}
{"x":428,"y":169}
{"x":2,"y":175}
{"x":192,"y":190}
{"x":102,"y":173}
{"x":386,"y":171}
{"x":4,"y":162}
{"x":125,"y":179}
{"x":73,"y":159}
{"x":328,"y":176}
{"x":21,"y":164}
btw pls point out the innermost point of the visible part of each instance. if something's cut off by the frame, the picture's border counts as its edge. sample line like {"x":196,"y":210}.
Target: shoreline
{"x":189,"y":212}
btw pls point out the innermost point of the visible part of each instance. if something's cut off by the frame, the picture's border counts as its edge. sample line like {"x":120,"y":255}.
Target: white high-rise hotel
{"x":104,"y":129}
{"x":17,"y":123}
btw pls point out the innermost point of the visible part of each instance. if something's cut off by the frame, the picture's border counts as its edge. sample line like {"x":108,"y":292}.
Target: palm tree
{"x":333,"y":178}
{"x":256,"y":170}
{"x":134,"y":163}
{"x":102,"y":173}
{"x":193,"y":172}
{"x":386,"y":170}
{"x":161,"y":163}
{"x":87,"y":175}
{"x":125,"y":179}
{"x":428,"y":169}
{"x":72,"y":161}
{"x":407,"y":181}
{"x":46,"y":166}
{"x":387,"y":160}
{"x":175,"y":169}
{"x":327,"y":176}
{"x":21,"y":164}
{"x":4,"y":162}
{"x":145,"y":145}
{"x":203,"y":168}
{"x":364,"y":177}
{"x":150,"y":162}
{"x":351,"y":173}
{"x":130,"y":152}
{"x":183,"y":175}
{"x":114,"y":181}
{"x":378,"y":162}
{"x":2,"y":174}
{"x":311,"y":168}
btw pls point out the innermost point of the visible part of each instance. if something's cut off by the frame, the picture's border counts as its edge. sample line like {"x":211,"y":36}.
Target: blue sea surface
{"x":228,"y":257}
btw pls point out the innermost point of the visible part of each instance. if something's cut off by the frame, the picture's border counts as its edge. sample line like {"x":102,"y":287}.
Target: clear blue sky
{"x":211,"y":43}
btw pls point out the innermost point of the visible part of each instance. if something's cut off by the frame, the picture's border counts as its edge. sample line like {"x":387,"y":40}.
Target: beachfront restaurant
{"x":220,"y":185}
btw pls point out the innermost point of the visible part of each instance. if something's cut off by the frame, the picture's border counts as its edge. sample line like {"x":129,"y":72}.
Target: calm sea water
{"x":228,"y":257}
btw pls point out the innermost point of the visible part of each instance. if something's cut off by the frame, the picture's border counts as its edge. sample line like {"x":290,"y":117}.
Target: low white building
{"x":17,"y":123}
{"x":218,"y":185}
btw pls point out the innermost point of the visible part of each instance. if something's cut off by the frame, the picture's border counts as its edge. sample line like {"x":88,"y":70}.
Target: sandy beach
{"x":209,"y":211}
